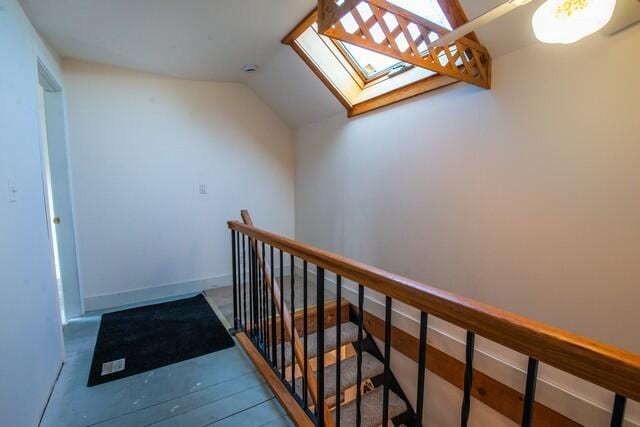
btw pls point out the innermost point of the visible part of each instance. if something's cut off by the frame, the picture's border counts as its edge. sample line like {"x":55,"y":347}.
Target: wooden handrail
{"x":298,"y":351}
{"x":612,"y":368}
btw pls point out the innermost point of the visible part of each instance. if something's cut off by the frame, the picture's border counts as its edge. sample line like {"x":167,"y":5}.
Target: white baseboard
{"x":136,"y":296}
{"x":582,"y":402}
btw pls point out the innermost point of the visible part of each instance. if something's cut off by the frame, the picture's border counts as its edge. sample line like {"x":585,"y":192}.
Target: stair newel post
{"x":234,"y":263}
{"x":320,"y":336}
{"x":387,"y":361}
{"x":338,"y":344}
{"x":422,"y":359}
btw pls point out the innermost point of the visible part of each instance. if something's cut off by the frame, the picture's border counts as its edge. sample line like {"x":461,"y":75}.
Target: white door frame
{"x":54,"y":152}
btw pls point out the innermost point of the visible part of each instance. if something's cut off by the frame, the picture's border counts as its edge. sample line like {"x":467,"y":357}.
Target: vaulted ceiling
{"x":213,"y":39}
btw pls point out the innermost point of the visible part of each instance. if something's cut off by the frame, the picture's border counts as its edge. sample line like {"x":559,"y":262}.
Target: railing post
{"x":293,"y":325}
{"x":235,"y":279}
{"x":274,"y":341}
{"x":530,"y":392}
{"x":256,"y":319}
{"x":359,"y":356}
{"x":338,"y":344}
{"x":387,"y":361}
{"x":617,"y":417}
{"x":422,"y":359}
{"x":305,"y":325}
{"x":244,"y":284}
{"x":320,"y":335}
{"x":468,"y":379}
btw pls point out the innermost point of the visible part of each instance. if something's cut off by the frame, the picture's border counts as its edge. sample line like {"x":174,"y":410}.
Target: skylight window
{"x":372,"y":53}
{"x":372,"y":64}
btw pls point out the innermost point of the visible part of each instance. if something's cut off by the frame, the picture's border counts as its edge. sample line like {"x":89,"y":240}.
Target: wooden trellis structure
{"x":390,"y":30}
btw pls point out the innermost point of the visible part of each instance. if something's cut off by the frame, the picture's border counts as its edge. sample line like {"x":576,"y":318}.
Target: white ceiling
{"x":192,"y":39}
{"x":213,"y":39}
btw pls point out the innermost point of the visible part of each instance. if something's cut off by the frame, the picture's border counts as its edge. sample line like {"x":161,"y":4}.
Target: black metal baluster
{"x":338,"y":344}
{"x":530,"y":392}
{"x":282,"y":338}
{"x":265,"y":307}
{"x":273,"y":316}
{"x":422,"y":361}
{"x":387,"y":361}
{"x":250,"y":249}
{"x":244,"y":284}
{"x":262,"y":304}
{"x":293,"y":326}
{"x":320,"y":335}
{"x":256,"y":319}
{"x":617,"y":417}
{"x":305,"y":386}
{"x":239,"y":275}
{"x":235,"y":279}
{"x":359,"y":356}
{"x":258,"y":298}
{"x":468,"y":379}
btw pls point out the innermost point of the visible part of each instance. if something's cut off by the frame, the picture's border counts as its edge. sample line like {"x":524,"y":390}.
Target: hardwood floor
{"x":220,"y":389}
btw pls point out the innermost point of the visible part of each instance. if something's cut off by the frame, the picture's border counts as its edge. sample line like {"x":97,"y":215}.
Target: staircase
{"x":371,"y":384}
{"x":326,"y":369}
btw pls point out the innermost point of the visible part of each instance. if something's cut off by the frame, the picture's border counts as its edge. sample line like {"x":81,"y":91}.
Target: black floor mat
{"x":155,"y":335}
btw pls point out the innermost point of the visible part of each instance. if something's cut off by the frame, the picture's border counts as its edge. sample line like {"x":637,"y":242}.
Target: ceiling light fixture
{"x":555,"y":21}
{"x":567,"y":21}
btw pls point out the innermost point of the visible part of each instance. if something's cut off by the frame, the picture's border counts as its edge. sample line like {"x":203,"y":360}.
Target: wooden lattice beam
{"x":382,"y":27}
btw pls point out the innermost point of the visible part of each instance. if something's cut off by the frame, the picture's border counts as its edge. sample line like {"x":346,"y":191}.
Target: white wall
{"x":526,"y":197}
{"x":140,"y":145}
{"x":30,"y":333}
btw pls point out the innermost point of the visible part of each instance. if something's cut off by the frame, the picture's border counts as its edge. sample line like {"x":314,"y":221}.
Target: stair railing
{"x":611,"y":368}
{"x":266,"y":331}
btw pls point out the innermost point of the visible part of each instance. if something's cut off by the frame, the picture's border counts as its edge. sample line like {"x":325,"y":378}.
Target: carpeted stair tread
{"x":349,"y":334}
{"x":371,"y":367}
{"x":371,"y":409}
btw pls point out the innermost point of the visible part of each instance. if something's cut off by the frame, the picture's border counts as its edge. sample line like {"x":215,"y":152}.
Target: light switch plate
{"x":11,"y":187}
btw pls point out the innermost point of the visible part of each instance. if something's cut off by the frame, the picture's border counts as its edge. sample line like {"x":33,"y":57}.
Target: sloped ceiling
{"x":212,"y":40}
{"x":289,"y":86}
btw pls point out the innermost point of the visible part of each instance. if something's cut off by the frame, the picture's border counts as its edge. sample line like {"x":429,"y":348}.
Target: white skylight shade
{"x":567,"y":21}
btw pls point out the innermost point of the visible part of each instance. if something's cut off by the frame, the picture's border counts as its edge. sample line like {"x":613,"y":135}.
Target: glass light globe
{"x":567,"y":21}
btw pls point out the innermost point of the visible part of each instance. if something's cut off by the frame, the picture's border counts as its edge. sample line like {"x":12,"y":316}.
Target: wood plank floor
{"x":223,"y":296}
{"x":221,"y":389}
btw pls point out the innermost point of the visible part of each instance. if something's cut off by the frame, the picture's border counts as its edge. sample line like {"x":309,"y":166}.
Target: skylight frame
{"x":388,"y":93}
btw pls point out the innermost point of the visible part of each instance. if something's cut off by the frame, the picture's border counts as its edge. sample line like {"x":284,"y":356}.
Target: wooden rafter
{"x":406,"y":40}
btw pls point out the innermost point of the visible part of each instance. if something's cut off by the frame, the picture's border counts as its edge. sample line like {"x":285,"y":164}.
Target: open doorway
{"x":57,"y":193}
